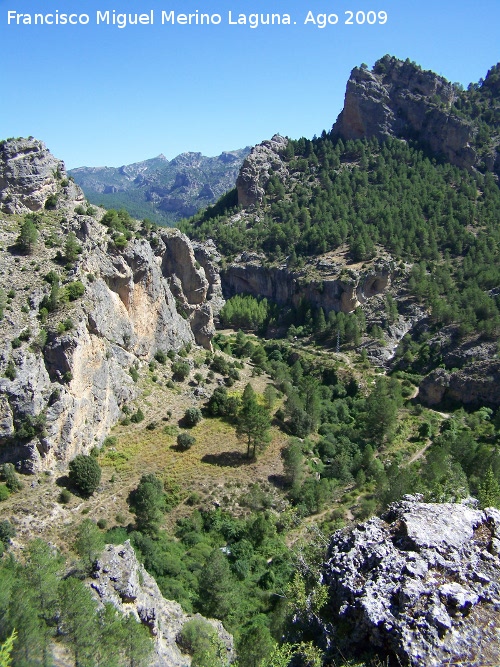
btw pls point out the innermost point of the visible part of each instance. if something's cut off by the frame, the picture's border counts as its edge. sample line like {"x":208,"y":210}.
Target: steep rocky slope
{"x":66,"y":372}
{"x":159,"y":189}
{"x":400,"y":99}
{"x":421,"y":585}
{"x":120,"y":579}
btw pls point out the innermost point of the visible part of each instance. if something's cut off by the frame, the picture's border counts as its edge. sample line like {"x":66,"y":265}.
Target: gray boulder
{"x":420,"y":585}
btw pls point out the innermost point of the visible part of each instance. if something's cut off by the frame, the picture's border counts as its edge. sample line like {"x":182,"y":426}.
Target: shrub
{"x":7,"y":531}
{"x":75,"y":290}
{"x":185,"y":441}
{"x":220,"y":365}
{"x":80,"y":210}
{"x":197,"y":637}
{"x":4,"y":492}
{"x":180,"y":370}
{"x":51,"y":202}
{"x":85,"y":474}
{"x":192,"y":416}
{"x":64,"y":497}
{"x":134,"y":374}
{"x":137,"y":417}
{"x":9,"y":475}
{"x":160,"y":356}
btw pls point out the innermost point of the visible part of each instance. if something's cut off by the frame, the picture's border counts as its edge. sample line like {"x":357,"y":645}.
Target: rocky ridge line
{"x":399,"y":99}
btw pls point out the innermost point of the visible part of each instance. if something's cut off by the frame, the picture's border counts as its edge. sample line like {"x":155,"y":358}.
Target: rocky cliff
{"x":265,"y":160}
{"x":420,"y":586}
{"x":29,"y":174}
{"x":334,"y":287}
{"x":120,"y":579}
{"x":65,"y":373}
{"x":400,"y":99}
{"x":475,"y":385}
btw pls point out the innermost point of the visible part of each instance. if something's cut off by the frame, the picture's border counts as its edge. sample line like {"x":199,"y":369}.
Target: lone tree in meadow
{"x":253,"y":422}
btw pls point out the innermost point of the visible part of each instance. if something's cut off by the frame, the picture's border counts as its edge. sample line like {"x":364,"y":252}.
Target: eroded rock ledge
{"x":421,"y":585}
{"x":334,"y":288}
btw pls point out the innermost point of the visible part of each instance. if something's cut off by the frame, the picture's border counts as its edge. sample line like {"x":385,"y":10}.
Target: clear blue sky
{"x":100,"y":95}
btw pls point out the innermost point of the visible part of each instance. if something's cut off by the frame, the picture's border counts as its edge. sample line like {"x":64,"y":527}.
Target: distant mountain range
{"x":163,"y":191}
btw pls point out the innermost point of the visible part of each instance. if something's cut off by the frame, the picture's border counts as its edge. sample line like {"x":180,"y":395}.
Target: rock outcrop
{"x":421,"y":585}
{"x":474,"y":385}
{"x":264,"y":161}
{"x":335,"y":288}
{"x":29,"y":175}
{"x":120,"y":579}
{"x":62,"y":386}
{"x":400,"y":99}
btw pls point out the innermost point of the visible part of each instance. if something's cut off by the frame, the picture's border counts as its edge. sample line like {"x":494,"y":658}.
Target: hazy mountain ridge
{"x":162,"y":190}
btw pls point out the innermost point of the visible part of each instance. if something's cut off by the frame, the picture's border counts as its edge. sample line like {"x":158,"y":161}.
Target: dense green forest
{"x":392,"y":195}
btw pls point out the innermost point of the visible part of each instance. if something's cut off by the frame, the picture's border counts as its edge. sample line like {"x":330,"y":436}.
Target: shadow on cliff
{"x":228,"y":459}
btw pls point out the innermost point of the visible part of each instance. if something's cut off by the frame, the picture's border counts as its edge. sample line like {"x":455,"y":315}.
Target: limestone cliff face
{"x":474,"y":385}
{"x":29,"y":174}
{"x":264,"y":161}
{"x":59,"y":397}
{"x":334,"y":289}
{"x":401,"y":100}
{"x":120,"y":579}
{"x":421,"y":585}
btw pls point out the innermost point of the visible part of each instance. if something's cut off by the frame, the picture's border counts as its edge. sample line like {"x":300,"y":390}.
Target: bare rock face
{"x":399,"y":99}
{"x":60,"y":398}
{"x":420,"y":585}
{"x":120,"y":579}
{"x":336,"y":290}
{"x":474,"y":385}
{"x":29,"y":174}
{"x":264,"y":160}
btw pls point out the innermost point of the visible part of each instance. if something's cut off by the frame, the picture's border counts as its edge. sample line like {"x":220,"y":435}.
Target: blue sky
{"x":100,"y":95}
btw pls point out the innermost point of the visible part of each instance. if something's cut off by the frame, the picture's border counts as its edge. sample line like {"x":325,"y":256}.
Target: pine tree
{"x":28,"y":236}
{"x":489,"y":490}
{"x":253,"y":422}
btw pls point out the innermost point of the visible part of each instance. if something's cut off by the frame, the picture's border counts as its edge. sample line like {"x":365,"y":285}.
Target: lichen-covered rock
{"x":119,"y":578}
{"x":420,"y":585}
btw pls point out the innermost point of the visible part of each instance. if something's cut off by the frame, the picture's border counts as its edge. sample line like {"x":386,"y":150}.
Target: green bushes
{"x":85,"y":474}
{"x":28,"y":236}
{"x":147,"y":502}
{"x":75,"y":290}
{"x":180,"y":370}
{"x":185,"y":441}
{"x":246,"y":312}
{"x":10,"y":477}
{"x":192,"y":416}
